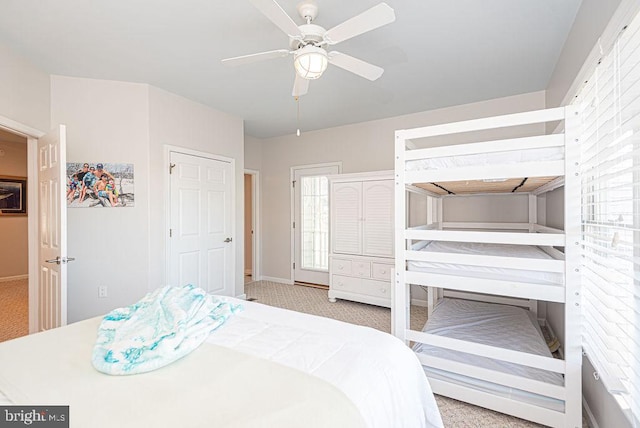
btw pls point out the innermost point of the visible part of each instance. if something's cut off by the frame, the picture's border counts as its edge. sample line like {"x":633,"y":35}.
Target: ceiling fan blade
{"x":272,"y":10}
{"x":247,"y":59}
{"x":355,"y":65}
{"x":300,"y":86}
{"x":368,"y":20}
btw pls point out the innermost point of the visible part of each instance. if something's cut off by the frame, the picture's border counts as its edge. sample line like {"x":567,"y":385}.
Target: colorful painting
{"x":13,"y":196}
{"x":105,"y":185}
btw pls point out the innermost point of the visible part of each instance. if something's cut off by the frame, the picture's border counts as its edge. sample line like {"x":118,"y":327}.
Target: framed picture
{"x":13,"y":195}
{"x":100,"y":185}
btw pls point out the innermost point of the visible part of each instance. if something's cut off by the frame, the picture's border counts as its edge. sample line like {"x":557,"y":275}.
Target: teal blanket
{"x":164,"y":326}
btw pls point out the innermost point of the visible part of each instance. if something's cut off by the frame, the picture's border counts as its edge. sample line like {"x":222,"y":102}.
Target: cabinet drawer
{"x":361,"y":286}
{"x":340,"y":266}
{"x":361,"y":269}
{"x":377,"y":288}
{"x":381,"y":271}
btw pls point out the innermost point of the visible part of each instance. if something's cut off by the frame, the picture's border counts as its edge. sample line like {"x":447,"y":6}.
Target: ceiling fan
{"x":308,"y":42}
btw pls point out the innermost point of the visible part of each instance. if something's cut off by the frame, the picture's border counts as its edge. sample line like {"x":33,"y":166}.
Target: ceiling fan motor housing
{"x":312,"y":35}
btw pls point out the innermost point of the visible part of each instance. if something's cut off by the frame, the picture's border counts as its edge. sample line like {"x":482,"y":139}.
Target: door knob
{"x":228,"y":240}
{"x":60,"y":260}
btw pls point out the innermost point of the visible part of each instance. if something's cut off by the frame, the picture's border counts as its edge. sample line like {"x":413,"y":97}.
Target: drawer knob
{"x":383,"y":271}
{"x":340,"y":267}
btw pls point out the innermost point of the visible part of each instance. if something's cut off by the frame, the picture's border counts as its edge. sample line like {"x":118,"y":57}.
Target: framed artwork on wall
{"x":101,"y":185}
{"x":13,"y":195}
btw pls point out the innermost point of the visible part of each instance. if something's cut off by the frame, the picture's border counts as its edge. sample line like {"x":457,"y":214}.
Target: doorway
{"x":33,"y":136}
{"x":251,"y":225}
{"x":310,"y":225}
{"x":14,"y":251}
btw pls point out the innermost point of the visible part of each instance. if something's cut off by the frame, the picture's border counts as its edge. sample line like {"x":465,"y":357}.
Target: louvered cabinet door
{"x":377,"y":218}
{"x":346,"y":218}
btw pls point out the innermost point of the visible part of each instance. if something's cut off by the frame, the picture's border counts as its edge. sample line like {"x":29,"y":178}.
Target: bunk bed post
{"x":533,"y":220}
{"x":572,"y":315}
{"x":533,"y":212}
{"x":399,"y":295}
{"x":439,"y":212}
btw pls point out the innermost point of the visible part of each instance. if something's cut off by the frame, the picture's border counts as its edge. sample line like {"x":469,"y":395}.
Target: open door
{"x":52,"y":230}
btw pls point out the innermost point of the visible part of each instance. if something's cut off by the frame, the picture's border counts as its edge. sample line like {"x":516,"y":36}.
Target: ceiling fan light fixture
{"x":310,"y":62}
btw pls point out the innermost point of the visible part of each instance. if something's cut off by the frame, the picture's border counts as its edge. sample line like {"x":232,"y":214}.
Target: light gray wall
{"x":497,"y":208}
{"x":106,"y":122}
{"x":177,"y":121}
{"x":25,"y":91}
{"x":554,"y":202}
{"x":360,"y":147}
{"x":603,"y":406}
{"x":252,"y":153}
{"x":14,"y":247}
{"x":591,"y":20}
{"x":124,"y":248}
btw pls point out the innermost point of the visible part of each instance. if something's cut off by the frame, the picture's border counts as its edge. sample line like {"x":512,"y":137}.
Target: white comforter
{"x":378,"y":373}
{"x":375,"y":370}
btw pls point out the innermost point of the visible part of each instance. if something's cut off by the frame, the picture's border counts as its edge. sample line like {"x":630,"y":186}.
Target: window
{"x":315,"y":222}
{"x":611,"y":219}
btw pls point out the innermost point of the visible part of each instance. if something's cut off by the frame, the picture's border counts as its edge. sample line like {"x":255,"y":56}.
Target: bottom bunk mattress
{"x":487,"y":272}
{"x":492,"y":324}
{"x":264,"y":366}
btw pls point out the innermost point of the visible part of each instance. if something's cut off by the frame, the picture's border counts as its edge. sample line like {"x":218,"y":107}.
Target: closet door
{"x":377,"y":224}
{"x":346,"y":217}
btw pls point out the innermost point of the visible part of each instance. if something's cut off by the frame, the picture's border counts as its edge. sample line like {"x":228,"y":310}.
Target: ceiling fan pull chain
{"x":298,"y":116}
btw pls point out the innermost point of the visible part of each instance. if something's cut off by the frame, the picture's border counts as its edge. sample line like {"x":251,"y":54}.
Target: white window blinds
{"x":611,"y":219}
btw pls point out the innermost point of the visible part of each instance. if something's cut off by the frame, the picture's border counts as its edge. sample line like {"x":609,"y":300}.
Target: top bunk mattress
{"x":486,"y":272}
{"x":543,"y":154}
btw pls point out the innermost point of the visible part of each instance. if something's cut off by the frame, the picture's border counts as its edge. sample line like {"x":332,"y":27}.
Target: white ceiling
{"x":437,"y":53}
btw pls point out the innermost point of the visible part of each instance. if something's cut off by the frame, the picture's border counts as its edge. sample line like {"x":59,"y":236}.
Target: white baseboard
{"x":14,"y":278}
{"x":242,"y":297}
{"x":591,"y":420}
{"x":274,"y":279}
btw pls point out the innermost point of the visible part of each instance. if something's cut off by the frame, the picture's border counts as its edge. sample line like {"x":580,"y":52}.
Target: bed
{"x":264,"y":367}
{"x":491,"y":256}
{"x":503,"y":326}
{"x":487,"y":272}
{"x":487,"y":159}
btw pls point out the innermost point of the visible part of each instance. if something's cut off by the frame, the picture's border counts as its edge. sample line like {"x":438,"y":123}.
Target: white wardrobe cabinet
{"x":361,"y":233}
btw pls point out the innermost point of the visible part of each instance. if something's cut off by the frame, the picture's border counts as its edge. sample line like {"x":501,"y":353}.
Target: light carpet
{"x":315,"y":301}
{"x":14,"y":309}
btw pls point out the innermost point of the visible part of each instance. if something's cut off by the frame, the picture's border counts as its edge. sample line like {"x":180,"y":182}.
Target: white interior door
{"x":201,"y":219}
{"x":52,"y":231}
{"x":311,"y":223}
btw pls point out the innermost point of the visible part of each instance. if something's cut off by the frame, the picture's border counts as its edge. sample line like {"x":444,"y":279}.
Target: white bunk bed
{"x":493,"y":354}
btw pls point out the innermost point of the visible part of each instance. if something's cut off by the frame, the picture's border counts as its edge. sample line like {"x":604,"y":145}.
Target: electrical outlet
{"x":102,"y":291}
